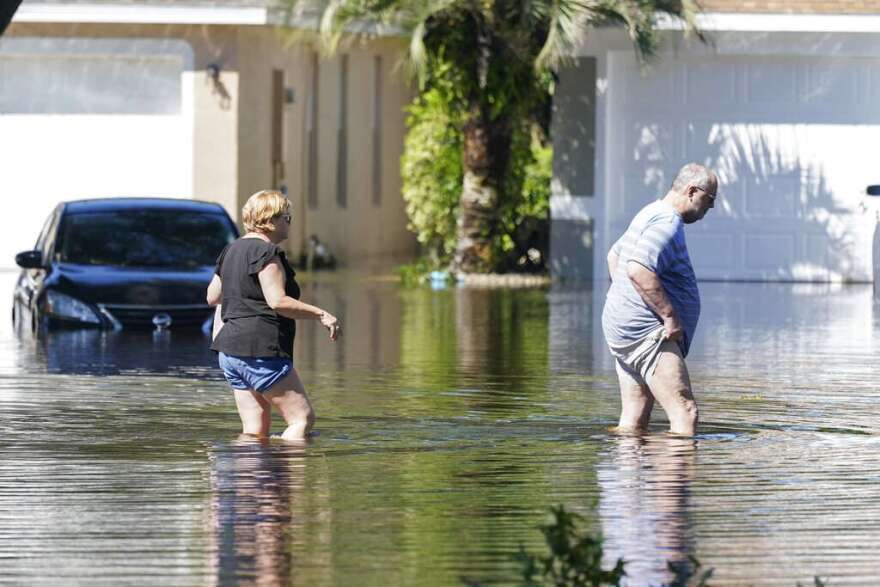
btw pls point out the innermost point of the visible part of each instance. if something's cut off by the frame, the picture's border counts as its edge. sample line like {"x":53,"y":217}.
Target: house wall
{"x":793,"y":6}
{"x":825,"y":190}
{"x":214,"y":119}
{"x":359,"y":232}
{"x":232,"y":130}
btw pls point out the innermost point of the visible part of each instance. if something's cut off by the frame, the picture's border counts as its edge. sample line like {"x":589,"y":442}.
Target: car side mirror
{"x":29,"y":260}
{"x":873,"y":190}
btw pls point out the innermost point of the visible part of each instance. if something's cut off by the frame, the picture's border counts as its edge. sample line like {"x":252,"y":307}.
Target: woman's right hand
{"x":331,"y":323}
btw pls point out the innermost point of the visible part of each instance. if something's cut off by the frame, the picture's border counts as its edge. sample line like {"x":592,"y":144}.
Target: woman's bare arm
{"x":272,"y":283}
{"x":215,"y":291}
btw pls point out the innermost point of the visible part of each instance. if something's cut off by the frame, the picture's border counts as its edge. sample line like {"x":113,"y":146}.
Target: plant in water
{"x":415,"y":273}
{"x":575,"y":559}
{"x":685,"y":574}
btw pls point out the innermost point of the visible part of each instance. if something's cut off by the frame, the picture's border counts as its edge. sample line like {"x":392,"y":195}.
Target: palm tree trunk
{"x":486,"y":153}
{"x":479,"y":197}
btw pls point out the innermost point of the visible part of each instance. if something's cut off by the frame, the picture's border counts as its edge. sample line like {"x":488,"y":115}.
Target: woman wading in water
{"x":259,"y":301}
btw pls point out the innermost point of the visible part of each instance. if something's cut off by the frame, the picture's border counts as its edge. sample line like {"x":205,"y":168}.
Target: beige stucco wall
{"x":360,"y":232}
{"x":232,"y":130}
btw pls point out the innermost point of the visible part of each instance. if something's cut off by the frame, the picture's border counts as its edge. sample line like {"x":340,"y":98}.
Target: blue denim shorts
{"x":257,"y":373}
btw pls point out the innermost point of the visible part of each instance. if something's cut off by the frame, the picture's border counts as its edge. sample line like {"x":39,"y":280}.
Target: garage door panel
{"x":836,"y":83}
{"x":651,"y":142}
{"x":816,"y":250}
{"x":769,"y":252}
{"x":632,"y":193}
{"x":872,"y":83}
{"x":794,"y":147}
{"x":706,"y":138}
{"x":650,"y":88}
{"x":713,"y":252}
{"x":771,"y":83}
{"x":773,"y":197}
{"x":704,"y":79}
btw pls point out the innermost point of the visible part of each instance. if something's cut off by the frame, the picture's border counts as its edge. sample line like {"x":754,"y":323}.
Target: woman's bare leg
{"x":254,"y":411}
{"x":289,"y":396}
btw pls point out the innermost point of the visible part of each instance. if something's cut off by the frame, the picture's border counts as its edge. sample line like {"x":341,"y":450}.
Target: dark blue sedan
{"x":122,"y":263}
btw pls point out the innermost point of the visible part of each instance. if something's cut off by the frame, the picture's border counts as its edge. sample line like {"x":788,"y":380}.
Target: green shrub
{"x":431,"y":169}
{"x":432,"y":173}
{"x":525,"y":211}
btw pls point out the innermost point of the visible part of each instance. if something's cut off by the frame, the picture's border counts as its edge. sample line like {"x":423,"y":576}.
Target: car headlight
{"x":60,"y":305}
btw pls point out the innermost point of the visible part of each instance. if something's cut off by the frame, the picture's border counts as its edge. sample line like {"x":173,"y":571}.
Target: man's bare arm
{"x":648,"y":286}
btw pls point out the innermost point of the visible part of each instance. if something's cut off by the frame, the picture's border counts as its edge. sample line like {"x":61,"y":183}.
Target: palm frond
{"x":331,"y":26}
{"x":567,"y":21}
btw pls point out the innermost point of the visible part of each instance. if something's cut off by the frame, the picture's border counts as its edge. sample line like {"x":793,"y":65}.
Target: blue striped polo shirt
{"x":655,"y":239}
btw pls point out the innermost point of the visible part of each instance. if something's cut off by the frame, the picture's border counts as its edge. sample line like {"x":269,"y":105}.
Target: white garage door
{"x":84,"y":118}
{"x":794,"y":141}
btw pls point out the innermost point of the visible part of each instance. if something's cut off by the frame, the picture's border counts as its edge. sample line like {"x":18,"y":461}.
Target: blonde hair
{"x":262,"y":208}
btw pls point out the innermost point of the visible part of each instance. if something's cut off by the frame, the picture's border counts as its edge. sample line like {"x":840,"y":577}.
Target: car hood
{"x":123,"y":285}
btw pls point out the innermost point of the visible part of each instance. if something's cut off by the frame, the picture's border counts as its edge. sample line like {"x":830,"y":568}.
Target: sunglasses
{"x":712,"y":195}
{"x":286,"y":218}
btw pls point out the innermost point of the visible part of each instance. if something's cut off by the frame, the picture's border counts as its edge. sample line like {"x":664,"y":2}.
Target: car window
{"x":144,"y":238}
{"x":44,"y":233}
{"x":49,"y":240}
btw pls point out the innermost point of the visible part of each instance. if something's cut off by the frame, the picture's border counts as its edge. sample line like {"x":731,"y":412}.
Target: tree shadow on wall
{"x":797,"y":228}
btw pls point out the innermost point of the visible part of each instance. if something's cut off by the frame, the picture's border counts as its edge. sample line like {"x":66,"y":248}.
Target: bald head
{"x":693,"y":192}
{"x":696,"y":175}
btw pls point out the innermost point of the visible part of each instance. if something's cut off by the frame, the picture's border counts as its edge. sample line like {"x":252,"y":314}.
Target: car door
{"x":30,"y":282}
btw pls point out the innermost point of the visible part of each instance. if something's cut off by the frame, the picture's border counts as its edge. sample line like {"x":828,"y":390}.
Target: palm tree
{"x":501,"y":55}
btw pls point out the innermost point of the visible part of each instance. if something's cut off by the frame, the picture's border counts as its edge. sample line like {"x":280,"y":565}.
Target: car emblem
{"x":161,"y":321}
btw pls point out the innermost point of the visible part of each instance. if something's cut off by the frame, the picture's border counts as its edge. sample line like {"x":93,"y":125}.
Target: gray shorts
{"x":639,"y":359}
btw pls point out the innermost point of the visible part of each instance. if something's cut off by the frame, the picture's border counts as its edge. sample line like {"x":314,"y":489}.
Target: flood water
{"x":449,"y":422}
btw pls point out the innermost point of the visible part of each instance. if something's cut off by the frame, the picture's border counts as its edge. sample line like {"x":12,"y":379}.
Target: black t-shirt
{"x":250,"y":327}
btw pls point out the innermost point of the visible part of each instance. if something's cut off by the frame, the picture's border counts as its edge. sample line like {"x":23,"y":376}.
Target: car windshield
{"x":144,"y":238}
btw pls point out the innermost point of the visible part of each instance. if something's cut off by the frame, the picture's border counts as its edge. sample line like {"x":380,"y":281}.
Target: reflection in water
{"x":253,"y":485}
{"x":474,"y":336}
{"x":571,"y":341}
{"x":449,"y":423}
{"x":101,"y":352}
{"x":644,"y":484}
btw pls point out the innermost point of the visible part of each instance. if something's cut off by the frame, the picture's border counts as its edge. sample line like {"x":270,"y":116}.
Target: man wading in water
{"x":653,"y":305}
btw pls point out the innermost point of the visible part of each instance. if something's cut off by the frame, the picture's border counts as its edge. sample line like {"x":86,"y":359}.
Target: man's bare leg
{"x":671,"y":386}
{"x":636,"y":403}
